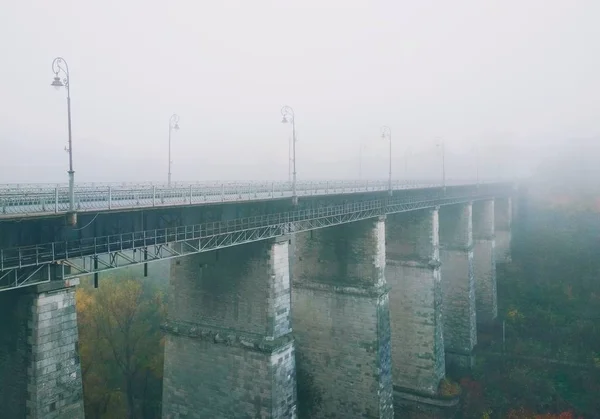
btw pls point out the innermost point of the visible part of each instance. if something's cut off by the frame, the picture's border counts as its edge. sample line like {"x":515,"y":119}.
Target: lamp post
{"x":60,"y":65}
{"x":173,"y":125}
{"x":290,"y":159}
{"x":386,"y":132}
{"x":289,"y":116}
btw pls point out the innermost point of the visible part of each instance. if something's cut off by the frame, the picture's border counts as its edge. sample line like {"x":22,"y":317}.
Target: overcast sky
{"x":499,"y":74}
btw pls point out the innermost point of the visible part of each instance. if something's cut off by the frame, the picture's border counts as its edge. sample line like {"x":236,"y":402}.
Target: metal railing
{"x":21,"y":266}
{"x":43,"y":199}
{"x":180,"y":184}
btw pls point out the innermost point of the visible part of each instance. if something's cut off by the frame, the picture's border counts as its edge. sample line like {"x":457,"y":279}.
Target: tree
{"x":121,"y":348}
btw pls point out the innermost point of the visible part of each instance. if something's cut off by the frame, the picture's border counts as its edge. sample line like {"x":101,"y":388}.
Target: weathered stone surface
{"x":243,"y":288}
{"x":413,"y":273}
{"x":341,"y":322}
{"x":412,"y":405}
{"x":484,"y":261}
{"x":229,"y":350}
{"x":346,"y":255}
{"x":39,"y":358}
{"x":208,"y":380}
{"x":458,"y":284}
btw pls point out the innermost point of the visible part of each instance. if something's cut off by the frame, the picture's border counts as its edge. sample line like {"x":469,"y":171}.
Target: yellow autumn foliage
{"x":121,"y":348}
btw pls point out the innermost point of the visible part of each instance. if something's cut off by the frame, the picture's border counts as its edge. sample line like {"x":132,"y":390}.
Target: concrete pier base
{"x":484,"y":260}
{"x":458,"y":285}
{"x":39,"y":355}
{"x":413,"y":272}
{"x":408,"y":404}
{"x":229,"y":351}
{"x":341,"y":322}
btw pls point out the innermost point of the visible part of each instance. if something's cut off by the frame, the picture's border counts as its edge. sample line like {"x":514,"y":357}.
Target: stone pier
{"x":413,"y":273}
{"x":341,"y":322}
{"x":458,"y":284}
{"x":503,"y":213}
{"x":39,"y":355}
{"x":484,"y":262}
{"x":229,"y":350}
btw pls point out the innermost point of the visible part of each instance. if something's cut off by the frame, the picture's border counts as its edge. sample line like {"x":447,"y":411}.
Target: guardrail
{"x":48,"y":200}
{"x":214,"y":183}
{"x":29,"y":265}
{"x":21,"y":266}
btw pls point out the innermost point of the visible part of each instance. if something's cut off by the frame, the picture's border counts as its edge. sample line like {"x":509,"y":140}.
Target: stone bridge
{"x":351,"y":301}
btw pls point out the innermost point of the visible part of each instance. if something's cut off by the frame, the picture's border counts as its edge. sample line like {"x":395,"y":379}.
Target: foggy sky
{"x":514,"y":77}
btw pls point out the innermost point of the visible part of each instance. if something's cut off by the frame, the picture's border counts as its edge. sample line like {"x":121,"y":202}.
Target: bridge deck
{"x":38,"y":201}
{"x":28,"y":265}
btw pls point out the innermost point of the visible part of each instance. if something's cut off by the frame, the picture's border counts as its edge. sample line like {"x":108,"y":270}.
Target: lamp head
{"x":57,"y":83}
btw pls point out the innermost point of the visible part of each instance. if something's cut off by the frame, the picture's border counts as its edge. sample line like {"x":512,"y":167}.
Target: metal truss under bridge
{"x":30,"y":265}
{"x":31,"y":199}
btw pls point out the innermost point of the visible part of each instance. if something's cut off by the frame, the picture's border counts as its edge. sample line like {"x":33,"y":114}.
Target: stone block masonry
{"x":484,"y":262}
{"x":341,"y":322}
{"x":39,"y":356}
{"x":208,"y":375}
{"x":229,"y":351}
{"x":413,"y":273}
{"x":458,"y":284}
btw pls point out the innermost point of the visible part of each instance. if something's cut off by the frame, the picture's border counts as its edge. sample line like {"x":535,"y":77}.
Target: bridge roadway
{"x":95,"y":244}
{"x":28,"y":200}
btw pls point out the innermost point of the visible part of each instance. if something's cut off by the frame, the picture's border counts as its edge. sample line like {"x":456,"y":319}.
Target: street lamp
{"x":386,"y":132}
{"x":173,"y":125}
{"x":290,"y":159}
{"x":443,"y":147}
{"x":289,"y":116}
{"x":60,"y":65}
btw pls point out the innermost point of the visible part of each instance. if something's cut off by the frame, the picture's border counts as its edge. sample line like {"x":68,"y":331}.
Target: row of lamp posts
{"x":60,"y":68}
{"x":61,"y":79}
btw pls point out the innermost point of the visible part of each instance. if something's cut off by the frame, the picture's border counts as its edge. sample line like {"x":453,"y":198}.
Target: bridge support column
{"x":458,"y":284}
{"x":484,"y":262}
{"x":503,"y":213}
{"x":413,"y":272}
{"x":229,"y":351}
{"x":39,"y":356}
{"x":341,"y":322}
